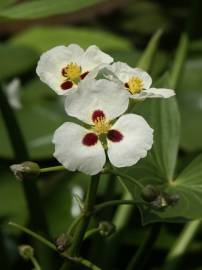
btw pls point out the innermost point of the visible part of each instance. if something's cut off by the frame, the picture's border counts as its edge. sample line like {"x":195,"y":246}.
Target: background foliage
{"x":122,"y":29}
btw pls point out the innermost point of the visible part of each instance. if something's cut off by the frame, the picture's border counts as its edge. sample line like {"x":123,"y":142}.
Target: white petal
{"x":144,"y":76}
{"x":137,"y":140}
{"x":153,"y":93}
{"x":53,"y":61}
{"x":124,"y":72}
{"x":73,"y":154}
{"x":93,"y":95}
{"x":94,"y":57}
{"x":121,"y":70}
{"x":159,"y":92}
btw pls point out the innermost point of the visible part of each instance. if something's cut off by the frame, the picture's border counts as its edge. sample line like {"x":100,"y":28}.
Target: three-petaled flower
{"x":125,"y":140}
{"x":137,"y":82}
{"x":63,"y":67}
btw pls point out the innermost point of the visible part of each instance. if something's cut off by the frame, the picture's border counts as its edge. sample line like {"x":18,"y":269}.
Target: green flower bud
{"x":106,"y":228}
{"x":150,"y":193}
{"x":26,"y":251}
{"x":26,"y":170}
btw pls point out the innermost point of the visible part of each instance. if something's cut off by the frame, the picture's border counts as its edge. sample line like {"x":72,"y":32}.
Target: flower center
{"x":134,"y":85}
{"x":72,"y":72}
{"x":101,"y":126}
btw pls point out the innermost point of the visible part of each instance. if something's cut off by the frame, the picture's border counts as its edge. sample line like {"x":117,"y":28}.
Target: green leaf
{"x":145,"y":61}
{"x":15,"y":60}
{"x":163,"y":116}
{"x":188,"y":186}
{"x":190,"y":104}
{"x":45,"y":8}
{"x":41,"y":114}
{"x":44,"y":38}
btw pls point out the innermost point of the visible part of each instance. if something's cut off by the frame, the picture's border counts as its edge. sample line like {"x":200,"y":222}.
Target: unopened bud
{"x":26,"y":170}
{"x":164,"y":200}
{"x":150,"y":193}
{"x":26,"y":251}
{"x":63,"y":241}
{"x":106,"y":228}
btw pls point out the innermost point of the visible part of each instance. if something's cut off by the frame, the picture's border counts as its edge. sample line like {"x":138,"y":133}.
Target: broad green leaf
{"x":158,"y":168}
{"x":190,"y":104}
{"x":163,"y":116}
{"x":44,"y":38}
{"x":15,"y":60}
{"x":45,"y":8}
{"x":187,"y":185}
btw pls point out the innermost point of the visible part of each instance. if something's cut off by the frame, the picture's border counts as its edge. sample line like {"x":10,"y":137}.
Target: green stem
{"x":88,"y":207}
{"x":91,"y":232}
{"x":37,"y":216}
{"x":35,"y":235}
{"x":52,"y":169}
{"x":123,"y":213}
{"x":123,"y":175}
{"x":101,"y":206}
{"x":74,"y":224}
{"x":85,"y":262}
{"x":35,"y":263}
{"x":53,"y":247}
{"x":142,"y":255}
{"x":179,"y":248}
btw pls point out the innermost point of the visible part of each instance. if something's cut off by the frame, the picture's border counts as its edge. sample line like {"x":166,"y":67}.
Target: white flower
{"x":12,"y":90}
{"x":83,"y":148}
{"x":137,"y":82}
{"x":63,"y":67}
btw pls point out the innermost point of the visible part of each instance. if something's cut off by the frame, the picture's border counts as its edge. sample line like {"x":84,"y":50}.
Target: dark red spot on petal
{"x":126,"y":85}
{"x":90,"y":139}
{"x":83,"y":75}
{"x":66,"y":85}
{"x":97,"y":114}
{"x":64,"y":72}
{"x":114,"y":135}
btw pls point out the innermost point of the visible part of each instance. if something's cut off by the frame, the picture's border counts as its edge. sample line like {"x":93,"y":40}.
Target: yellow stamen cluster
{"x":135,"y":85}
{"x":72,"y":72}
{"x":101,"y":126}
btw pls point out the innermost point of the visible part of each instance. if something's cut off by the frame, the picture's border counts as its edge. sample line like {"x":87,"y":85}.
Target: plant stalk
{"x":174,"y":257}
{"x":140,"y":258}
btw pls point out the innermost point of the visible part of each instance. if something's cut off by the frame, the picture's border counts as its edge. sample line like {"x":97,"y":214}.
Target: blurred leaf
{"x":41,"y":114}
{"x":44,"y":8}
{"x":147,"y":57}
{"x":5,"y":3}
{"x":144,"y":17}
{"x":15,"y":60}
{"x":12,"y":202}
{"x":190,"y":103}
{"x":44,"y":38}
{"x":59,"y":202}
